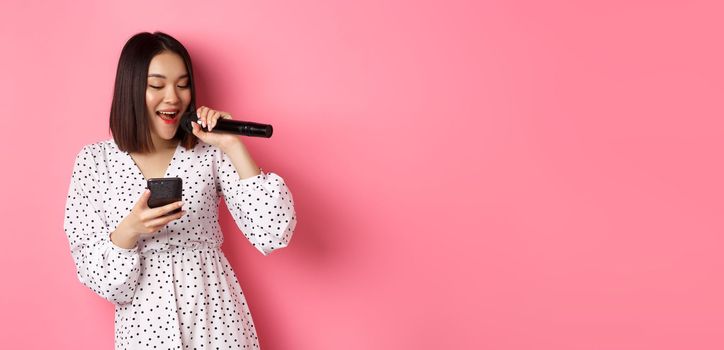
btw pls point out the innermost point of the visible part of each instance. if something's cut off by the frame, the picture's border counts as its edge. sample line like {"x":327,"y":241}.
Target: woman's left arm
{"x":261,"y":203}
{"x":241,"y":159}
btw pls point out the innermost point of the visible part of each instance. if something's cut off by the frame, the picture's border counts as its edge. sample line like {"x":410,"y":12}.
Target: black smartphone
{"x":165,"y":190}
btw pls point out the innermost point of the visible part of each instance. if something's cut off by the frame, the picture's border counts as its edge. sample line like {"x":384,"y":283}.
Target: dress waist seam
{"x":170,"y":248}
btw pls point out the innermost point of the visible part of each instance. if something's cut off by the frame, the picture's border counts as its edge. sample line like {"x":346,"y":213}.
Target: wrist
{"x":124,"y":237}
{"x":230,"y":144}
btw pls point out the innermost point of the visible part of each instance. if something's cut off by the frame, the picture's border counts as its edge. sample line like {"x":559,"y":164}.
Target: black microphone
{"x":231,"y":126}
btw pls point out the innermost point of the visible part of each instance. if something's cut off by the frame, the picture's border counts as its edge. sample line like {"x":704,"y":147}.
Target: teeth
{"x":167,"y":115}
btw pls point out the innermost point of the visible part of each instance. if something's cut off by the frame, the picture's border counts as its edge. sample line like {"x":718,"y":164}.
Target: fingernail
{"x":181,"y":204}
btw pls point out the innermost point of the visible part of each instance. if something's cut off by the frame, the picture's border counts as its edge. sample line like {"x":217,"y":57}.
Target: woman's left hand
{"x":208,"y":118}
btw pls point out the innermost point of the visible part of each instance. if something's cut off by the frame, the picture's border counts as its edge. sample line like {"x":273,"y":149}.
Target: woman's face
{"x":168,"y":93}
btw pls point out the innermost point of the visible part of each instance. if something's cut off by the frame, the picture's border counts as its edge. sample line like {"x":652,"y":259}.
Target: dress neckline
{"x":168,"y":167}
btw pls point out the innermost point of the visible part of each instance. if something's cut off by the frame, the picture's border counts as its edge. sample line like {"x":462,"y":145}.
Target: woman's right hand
{"x":144,"y":220}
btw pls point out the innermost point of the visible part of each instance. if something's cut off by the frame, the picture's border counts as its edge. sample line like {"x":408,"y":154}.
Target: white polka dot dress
{"x":175,"y":289}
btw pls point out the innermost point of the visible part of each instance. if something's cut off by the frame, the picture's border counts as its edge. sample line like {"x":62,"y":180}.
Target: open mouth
{"x":169,"y":117}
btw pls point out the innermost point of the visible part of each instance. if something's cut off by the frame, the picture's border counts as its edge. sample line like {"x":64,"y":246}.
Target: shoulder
{"x":98,"y":147}
{"x":96,"y":153}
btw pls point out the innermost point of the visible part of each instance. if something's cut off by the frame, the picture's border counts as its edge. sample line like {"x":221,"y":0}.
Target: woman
{"x":172,"y":286}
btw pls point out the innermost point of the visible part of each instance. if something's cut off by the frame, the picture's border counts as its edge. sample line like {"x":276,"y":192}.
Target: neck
{"x":160,"y":144}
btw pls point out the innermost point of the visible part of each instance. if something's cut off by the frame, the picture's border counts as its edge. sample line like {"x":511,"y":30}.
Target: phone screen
{"x":165,"y":191}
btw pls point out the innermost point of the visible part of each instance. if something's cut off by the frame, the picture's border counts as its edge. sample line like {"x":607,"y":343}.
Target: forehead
{"x":167,"y":64}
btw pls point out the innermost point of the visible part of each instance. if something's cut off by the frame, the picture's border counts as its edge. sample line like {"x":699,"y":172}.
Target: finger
{"x":196,"y":129}
{"x":161,"y":211}
{"x":162,"y":221}
{"x":142,"y":202}
{"x":204,"y":111}
{"x":214,"y":117}
{"x":154,"y":222}
{"x":199,"y":113}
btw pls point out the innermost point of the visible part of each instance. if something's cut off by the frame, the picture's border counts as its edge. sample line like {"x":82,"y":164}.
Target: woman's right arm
{"x":109,"y":270}
{"x":143,"y":219}
{"x":106,"y":259}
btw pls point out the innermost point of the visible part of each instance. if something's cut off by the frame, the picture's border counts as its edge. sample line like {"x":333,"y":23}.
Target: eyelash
{"x":161,"y":87}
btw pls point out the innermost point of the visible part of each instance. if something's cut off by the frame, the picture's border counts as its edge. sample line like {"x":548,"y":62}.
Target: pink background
{"x":467,"y":174}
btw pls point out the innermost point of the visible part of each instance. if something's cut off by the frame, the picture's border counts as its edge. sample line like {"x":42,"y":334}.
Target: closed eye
{"x":161,"y":87}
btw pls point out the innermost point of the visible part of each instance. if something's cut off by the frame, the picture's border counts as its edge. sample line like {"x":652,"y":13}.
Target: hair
{"x":129,"y":116}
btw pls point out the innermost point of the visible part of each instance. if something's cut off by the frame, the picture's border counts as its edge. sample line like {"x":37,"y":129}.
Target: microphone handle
{"x":240,"y":127}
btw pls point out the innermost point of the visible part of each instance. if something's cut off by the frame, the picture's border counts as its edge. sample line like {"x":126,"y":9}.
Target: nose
{"x":171,"y":96}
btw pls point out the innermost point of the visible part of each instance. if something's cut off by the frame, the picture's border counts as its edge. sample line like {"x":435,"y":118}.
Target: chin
{"x":169,"y":136}
{"x":165,"y":133}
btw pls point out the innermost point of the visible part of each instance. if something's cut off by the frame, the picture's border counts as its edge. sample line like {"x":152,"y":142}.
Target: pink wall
{"x":468,"y":174}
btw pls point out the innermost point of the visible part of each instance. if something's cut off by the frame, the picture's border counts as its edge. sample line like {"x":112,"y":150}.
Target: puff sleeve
{"x":262,"y":206}
{"x":110,"y":271}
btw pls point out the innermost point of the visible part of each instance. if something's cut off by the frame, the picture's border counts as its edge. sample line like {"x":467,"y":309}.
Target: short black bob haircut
{"x":129,"y":119}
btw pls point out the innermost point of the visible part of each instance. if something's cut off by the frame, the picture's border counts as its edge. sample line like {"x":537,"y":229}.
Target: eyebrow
{"x":155,"y":75}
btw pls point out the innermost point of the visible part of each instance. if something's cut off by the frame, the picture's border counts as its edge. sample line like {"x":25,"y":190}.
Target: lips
{"x":169,"y":116}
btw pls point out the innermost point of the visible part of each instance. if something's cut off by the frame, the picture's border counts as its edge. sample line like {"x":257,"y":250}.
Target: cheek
{"x":185,"y":96}
{"x":152,"y":98}
{"x":151,"y":103}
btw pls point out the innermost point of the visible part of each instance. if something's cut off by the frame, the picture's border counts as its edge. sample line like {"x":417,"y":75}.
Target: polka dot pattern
{"x":175,"y":289}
